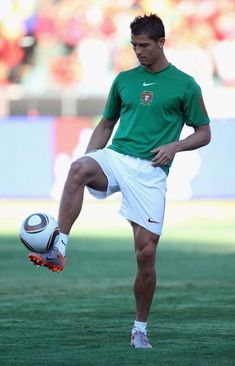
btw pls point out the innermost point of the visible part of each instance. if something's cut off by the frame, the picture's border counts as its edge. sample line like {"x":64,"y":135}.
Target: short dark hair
{"x":151,"y":25}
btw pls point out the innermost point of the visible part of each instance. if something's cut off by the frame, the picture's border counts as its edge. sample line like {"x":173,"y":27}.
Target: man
{"x":152,"y":103}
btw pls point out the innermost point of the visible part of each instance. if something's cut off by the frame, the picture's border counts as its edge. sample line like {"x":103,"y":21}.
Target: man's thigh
{"x":107,"y":165}
{"x":144,"y":197}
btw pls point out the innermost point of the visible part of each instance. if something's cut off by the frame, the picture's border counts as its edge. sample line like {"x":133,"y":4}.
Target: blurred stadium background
{"x":57,"y":61}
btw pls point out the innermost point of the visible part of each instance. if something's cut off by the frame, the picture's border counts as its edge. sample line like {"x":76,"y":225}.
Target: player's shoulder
{"x":183,"y":76}
{"x":129,"y":73}
{"x":126,"y":77}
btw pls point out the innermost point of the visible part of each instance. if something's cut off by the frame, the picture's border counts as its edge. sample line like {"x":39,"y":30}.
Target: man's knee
{"x":146,"y":247}
{"x":81,"y":171}
{"x":145,"y":257}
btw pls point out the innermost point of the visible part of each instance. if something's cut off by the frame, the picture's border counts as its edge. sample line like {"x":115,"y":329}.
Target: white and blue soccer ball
{"x":38,"y":232}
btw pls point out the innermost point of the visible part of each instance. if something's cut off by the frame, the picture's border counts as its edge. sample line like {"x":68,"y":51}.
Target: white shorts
{"x":143,"y":187}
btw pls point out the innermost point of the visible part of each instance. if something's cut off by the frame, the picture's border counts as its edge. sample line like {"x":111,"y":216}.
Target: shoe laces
{"x":52,"y":253}
{"x":144,"y":338}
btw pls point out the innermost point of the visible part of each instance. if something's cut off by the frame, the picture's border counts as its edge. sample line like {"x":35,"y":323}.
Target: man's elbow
{"x":207,"y":139}
{"x":205,"y":135}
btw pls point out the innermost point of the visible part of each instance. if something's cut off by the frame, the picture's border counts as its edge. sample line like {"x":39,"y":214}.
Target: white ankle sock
{"x":141,"y":326}
{"x":62,"y":243}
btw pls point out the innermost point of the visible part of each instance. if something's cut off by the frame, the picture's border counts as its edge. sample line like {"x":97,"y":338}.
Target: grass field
{"x":83,"y":315}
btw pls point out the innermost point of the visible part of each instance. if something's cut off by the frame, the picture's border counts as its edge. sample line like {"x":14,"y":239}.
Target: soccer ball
{"x":38,"y":232}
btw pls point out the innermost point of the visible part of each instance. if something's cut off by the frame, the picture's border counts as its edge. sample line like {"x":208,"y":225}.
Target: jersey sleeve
{"x":194,"y":107}
{"x":113,"y":103}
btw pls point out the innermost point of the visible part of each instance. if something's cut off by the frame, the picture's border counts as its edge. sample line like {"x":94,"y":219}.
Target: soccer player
{"x":152,"y":103}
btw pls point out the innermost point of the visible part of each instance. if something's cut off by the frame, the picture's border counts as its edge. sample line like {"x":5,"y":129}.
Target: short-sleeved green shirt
{"x":153,"y":108}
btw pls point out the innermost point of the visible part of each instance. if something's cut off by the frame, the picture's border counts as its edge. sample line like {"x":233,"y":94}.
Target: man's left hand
{"x":164,"y":154}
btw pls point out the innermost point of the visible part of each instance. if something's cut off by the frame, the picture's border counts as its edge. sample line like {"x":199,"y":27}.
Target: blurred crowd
{"x":80,"y":45}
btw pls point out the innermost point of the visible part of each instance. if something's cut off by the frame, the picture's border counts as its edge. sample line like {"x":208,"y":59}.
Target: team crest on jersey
{"x":146,"y":97}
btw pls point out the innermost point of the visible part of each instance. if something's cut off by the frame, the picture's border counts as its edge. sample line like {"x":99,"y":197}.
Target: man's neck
{"x":157,"y":66}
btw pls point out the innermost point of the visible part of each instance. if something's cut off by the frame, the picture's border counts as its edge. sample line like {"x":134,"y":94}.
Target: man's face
{"x":147,"y":50}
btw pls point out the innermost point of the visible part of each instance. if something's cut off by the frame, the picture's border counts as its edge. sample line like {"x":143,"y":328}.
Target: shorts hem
{"x":130,"y":220}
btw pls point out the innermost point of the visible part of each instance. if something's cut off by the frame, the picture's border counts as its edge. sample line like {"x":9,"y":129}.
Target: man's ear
{"x":161,"y":42}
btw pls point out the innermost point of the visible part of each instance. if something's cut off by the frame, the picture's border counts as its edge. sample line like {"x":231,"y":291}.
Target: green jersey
{"x":153,"y":108}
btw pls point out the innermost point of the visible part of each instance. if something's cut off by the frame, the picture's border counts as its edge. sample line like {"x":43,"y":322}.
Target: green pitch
{"x":83,"y":316}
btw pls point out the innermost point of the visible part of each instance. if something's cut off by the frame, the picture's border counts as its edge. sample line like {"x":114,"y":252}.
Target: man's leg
{"x":84,"y":171}
{"x":145,"y":281}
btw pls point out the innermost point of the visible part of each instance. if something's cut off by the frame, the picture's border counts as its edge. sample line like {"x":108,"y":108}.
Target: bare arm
{"x":101,"y":134}
{"x":165,"y":153}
